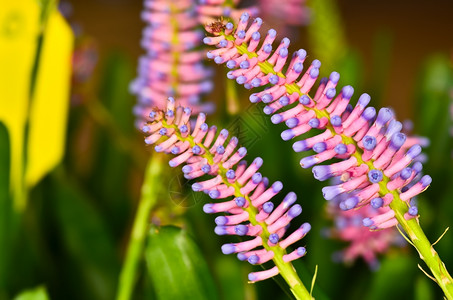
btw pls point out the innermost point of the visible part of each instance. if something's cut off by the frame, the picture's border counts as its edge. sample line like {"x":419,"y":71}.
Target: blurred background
{"x":73,"y":164}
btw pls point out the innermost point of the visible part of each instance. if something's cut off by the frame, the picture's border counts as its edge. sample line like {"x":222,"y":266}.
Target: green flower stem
{"x":232,"y":99}
{"x":411,"y":227}
{"x":286,"y":269}
{"x":150,"y":188}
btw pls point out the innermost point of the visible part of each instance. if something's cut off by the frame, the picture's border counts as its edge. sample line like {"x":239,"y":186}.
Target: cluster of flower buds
{"x":211,"y":10}
{"x":361,"y":242}
{"x":377,"y":161}
{"x":249,"y":210}
{"x":172,"y":64}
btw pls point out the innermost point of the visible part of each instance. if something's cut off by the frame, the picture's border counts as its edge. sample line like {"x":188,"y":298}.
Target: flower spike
{"x":249,"y":210}
{"x":172,"y":64}
{"x":374,"y":151}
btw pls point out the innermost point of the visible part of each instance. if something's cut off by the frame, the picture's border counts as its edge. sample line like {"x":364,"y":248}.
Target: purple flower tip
{"x":220,"y":230}
{"x":284,"y":100}
{"x":314,"y":123}
{"x":268,"y":110}
{"x":229,"y":26}
{"x":207,"y":40}
{"x":152,"y":114}
{"x":220,"y":149}
{"x":300,"y":146}
{"x":377,"y":203}
{"x":258,"y":162}
{"x":196,"y":187}
{"x":256,"y":82}
{"x":186,"y":169}
{"x":347,"y":92}
{"x":414,"y":151}
{"x":241,"y":256}
{"x":271,"y":32}
{"x":172,"y":163}
{"x":331,"y":93}
{"x":369,"y":113}
{"x":283,"y":52}
{"x":273,"y":79}
{"x":335,"y":121}
{"x":242,"y":151}
{"x":207,"y":208}
{"x":304,"y":100}
{"x":321,"y":173}
{"x":230,"y":174}
{"x":256,"y":36}
{"x":256,"y":178}
{"x":276,"y":119}
{"x":367,"y":222}
{"x":298,"y":67}
{"x":245,"y":64}
{"x":252,"y":277}
{"x":375,"y":176}
{"x":221,"y":220}
{"x":241,"y":79}
{"x":294,"y":211}
{"x":253,"y":259}
{"x":406,"y":173}
{"x":398,"y":140}
{"x":426,"y":180}
{"x":308,"y":162}
{"x":214,"y":194}
{"x":209,"y":55}
{"x":267,"y":98}
{"x":364,"y":100}
{"x":204,"y":127}
{"x":291,"y":123}
{"x":228,"y":249}
{"x":240,"y":201}
{"x":223,"y":43}
{"x":206,"y":168}
{"x":340,"y":149}
{"x":413,"y":210}
{"x":384,"y":115}
{"x":314,"y":72}
{"x":417,"y":167}
{"x":175,"y":150}
{"x":196,"y":149}
{"x":267,"y":48}
{"x":254,"y":98}
{"x":319,"y":147}
{"x":218,"y":60}
{"x":352,"y":202}
{"x":369,"y":142}
{"x":316,"y":63}
{"x":158,"y":149}
{"x":306,"y":227}
{"x":290,"y":198}
{"x":330,"y":192}
{"x":287,"y":135}
{"x":230,"y":75}
{"x":301,"y":251}
{"x":334,"y":77}
{"x":273,"y":238}
{"x":268,"y":207}
{"x":231,"y":64}
{"x":163,"y":131}
{"x":183,"y":128}
{"x":277,"y":186}
{"x":241,"y":229}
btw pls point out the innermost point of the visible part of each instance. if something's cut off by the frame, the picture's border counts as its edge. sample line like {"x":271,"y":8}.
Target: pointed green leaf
{"x":38,"y":293}
{"x":177,"y":268}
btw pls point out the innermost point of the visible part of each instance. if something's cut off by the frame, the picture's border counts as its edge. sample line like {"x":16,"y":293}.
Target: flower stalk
{"x":250,"y":212}
{"x":379,"y":166}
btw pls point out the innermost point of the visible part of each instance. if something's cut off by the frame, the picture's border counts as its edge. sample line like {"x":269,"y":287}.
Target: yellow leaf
{"x":49,"y":108}
{"x":19,"y":29}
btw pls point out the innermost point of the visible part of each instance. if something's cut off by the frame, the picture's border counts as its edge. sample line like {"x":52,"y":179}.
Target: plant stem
{"x":150,"y":187}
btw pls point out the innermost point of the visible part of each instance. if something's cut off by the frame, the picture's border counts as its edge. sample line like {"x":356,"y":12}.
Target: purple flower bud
{"x":369,"y":142}
{"x":304,"y":100}
{"x":377,"y":203}
{"x":267,"y":98}
{"x":340,"y":149}
{"x":273,"y":238}
{"x":228,"y":249}
{"x":206,"y":168}
{"x":319,"y":147}
{"x":240,"y":201}
{"x":314,"y":123}
{"x":230,"y":174}
{"x":335,"y":121}
{"x":375,"y":176}
{"x":273,"y":79}
{"x":294,"y":211}
{"x":413,"y":210}
{"x":253,"y":259}
{"x":241,"y":230}
{"x":268,"y":207}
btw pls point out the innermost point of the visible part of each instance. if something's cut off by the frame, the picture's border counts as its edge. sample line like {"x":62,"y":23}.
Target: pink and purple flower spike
{"x":241,"y":194}
{"x":172,"y":65}
{"x":377,"y":160}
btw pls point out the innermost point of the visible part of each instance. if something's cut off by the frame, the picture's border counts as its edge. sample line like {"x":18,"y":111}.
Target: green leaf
{"x":176,"y":266}
{"x":86,"y":241}
{"x":38,"y":293}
